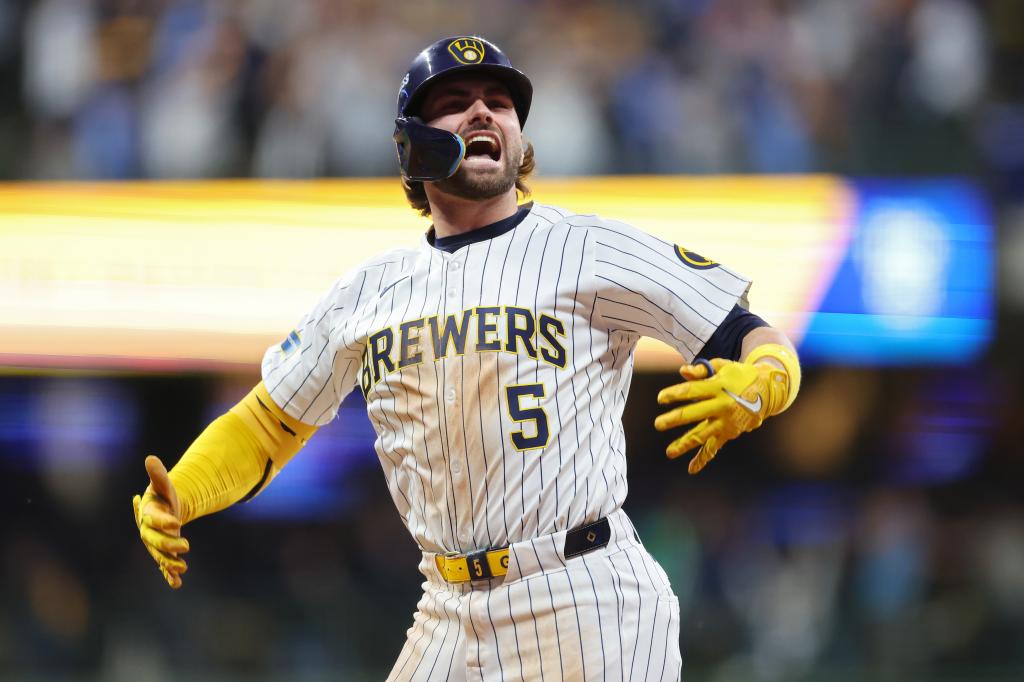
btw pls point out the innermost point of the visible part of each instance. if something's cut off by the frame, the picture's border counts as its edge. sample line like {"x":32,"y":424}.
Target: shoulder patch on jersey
{"x":694,"y":260}
{"x":293,"y":341}
{"x":467,"y":50}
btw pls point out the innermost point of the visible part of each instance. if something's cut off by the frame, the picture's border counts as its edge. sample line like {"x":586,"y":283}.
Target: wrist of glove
{"x":725,"y":398}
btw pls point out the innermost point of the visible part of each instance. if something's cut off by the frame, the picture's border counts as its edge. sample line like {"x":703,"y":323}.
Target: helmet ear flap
{"x":425,"y":153}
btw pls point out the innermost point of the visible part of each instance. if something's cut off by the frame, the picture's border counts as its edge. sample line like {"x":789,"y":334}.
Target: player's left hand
{"x":727,"y":398}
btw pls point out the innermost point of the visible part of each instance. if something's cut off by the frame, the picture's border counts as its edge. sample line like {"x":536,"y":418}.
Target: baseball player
{"x":495,"y":358}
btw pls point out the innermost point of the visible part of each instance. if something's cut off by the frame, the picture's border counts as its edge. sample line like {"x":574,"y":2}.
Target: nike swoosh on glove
{"x":725,"y":398}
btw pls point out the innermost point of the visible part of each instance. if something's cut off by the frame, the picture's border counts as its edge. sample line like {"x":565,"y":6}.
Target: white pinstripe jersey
{"x":496,"y":376}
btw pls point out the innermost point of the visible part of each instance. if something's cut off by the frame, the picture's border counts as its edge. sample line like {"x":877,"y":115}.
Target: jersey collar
{"x":457,"y":241}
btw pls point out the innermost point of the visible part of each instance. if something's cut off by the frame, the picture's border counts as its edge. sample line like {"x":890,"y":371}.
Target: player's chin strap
{"x":427,"y":154}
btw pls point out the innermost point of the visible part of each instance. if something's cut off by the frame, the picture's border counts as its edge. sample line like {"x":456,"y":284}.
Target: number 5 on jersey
{"x":524,"y":414}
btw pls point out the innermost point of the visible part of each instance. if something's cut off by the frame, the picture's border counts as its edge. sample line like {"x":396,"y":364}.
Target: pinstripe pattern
{"x":606,"y":615}
{"x":581,"y":289}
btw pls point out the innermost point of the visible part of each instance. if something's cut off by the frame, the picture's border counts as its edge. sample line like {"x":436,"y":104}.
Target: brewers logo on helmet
{"x":467,"y":50}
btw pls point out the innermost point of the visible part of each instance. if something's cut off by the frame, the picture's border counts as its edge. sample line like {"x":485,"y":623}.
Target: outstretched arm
{"x":233,"y":459}
{"x":726,"y":397}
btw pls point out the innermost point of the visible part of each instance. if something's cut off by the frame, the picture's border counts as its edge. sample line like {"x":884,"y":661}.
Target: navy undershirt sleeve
{"x":727,"y":341}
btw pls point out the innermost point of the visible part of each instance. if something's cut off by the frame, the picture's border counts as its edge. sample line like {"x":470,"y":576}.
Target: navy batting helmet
{"x":429,"y":154}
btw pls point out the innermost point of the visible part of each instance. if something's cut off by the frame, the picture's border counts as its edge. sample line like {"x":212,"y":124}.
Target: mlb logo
{"x":291,"y":343}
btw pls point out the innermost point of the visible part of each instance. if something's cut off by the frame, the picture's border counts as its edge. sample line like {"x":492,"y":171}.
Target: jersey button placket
{"x":452,"y":412}
{"x":454,"y":276}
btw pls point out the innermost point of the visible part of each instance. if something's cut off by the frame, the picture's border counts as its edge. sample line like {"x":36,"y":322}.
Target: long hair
{"x":417,"y":196}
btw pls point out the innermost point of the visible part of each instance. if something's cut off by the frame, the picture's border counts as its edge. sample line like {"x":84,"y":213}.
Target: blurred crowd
{"x":207,"y":88}
{"x":844,"y":542}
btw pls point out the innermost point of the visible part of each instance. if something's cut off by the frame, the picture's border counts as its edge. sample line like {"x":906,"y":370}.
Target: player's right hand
{"x":158,"y":517}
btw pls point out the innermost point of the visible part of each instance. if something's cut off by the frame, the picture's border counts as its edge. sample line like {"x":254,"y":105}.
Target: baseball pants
{"x":609,"y":614}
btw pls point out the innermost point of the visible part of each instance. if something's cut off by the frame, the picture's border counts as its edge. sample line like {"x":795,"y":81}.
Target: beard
{"x":475,"y":185}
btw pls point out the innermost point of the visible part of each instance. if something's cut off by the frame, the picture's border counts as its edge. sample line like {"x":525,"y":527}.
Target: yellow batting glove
{"x":158,"y":518}
{"x":727,"y":398}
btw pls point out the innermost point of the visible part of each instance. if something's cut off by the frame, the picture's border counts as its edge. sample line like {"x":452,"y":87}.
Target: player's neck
{"x":455,"y":215}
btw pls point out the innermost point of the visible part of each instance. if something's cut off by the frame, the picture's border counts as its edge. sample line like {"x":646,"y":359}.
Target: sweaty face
{"x":481,"y":111}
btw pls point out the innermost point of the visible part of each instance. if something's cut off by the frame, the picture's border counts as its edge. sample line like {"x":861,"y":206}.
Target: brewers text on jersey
{"x":508,"y":329}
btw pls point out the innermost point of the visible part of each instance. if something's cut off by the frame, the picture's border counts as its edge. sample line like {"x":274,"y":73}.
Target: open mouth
{"x":483,"y":145}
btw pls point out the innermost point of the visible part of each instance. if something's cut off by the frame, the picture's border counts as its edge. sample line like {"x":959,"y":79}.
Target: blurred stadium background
{"x":862,"y":159}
